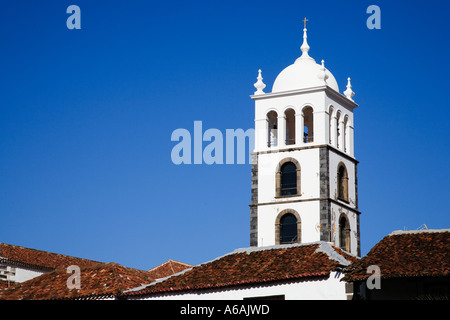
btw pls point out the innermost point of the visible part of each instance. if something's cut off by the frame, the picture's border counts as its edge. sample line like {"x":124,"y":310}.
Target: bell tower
{"x":304,"y":173}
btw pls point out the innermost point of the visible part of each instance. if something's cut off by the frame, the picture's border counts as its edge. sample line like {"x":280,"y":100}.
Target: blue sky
{"x":86,"y":118}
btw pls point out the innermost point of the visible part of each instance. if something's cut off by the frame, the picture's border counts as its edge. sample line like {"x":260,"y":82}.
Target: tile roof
{"x":255,"y":265}
{"x":38,"y":258}
{"x":101,"y":280}
{"x":168,"y":268}
{"x":406,"y":254}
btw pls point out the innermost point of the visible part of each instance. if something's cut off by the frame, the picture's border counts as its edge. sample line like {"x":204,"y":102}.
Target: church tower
{"x":304,"y":177}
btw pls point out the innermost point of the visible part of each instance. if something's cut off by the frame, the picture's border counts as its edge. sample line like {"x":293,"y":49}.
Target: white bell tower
{"x":304,"y":177}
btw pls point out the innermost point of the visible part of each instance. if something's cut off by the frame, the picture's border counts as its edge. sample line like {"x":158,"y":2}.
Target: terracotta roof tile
{"x":406,"y":254}
{"x":254,"y":265}
{"x":101,"y":280}
{"x":168,"y":268}
{"x":39,"y":258}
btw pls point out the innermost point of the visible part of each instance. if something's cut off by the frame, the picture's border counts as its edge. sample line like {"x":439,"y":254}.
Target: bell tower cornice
{"x":330,"y":91}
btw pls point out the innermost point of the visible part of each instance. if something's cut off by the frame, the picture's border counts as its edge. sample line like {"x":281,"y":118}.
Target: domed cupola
{"x":304,"y":73}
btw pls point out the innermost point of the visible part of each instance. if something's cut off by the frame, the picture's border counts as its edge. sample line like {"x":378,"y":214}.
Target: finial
{"x":259,"y":85}
{"x":322,"y":73}
{"x":349,"y":92}
{"x":305,"y":47}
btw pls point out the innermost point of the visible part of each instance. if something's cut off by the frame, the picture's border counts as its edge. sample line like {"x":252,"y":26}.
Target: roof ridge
{"x":328,"y":249}
{"x":42,"y":251}
{"x":401,"y":232}
{"x":158,"y":280}
{"x":274,"y":247}
{"x":170,"y":262}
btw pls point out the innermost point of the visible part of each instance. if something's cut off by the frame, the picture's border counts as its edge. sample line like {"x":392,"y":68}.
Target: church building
{"x":304,"y":217}
{"x":304,"y":172}
{"x":304,"y":220}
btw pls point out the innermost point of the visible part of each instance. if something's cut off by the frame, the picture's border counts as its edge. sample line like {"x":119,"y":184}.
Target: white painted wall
{"x":328,"y":289}
{"x":270,"y":206}
{"x":20,"y":274}
{"x":309,"y":165}
{"x":309,"y":216}
{"x":26,"y":274}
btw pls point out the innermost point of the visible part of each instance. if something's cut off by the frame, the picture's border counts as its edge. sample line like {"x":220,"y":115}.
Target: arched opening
{"x":345,"y":140}
{"x":288,"y":229}
{"x":287,"y":179}
{"x":290,"y":126}
{"x":331,"y":125}
{"x":308,"y":135}
{"x":344,"y":234}
{"x":272,"y":125}
{"x":342,"y":183}
{"x":338,"y":133}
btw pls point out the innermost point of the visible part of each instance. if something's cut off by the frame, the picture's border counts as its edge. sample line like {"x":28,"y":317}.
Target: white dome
{"x":304,"y":73}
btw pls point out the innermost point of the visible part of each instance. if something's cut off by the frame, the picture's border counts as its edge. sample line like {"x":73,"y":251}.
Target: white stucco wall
{"x":19,"y":274}
{"x":270,"y":206}
{"x":308,"y":160}
{"x":309,"y":216}
{"x":328,"y":289}
{"x":26,"y":274}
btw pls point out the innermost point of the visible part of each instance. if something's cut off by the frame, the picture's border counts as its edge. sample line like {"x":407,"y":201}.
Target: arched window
{"x":272,"y":125}
{"x":342,"y":183}
{"x":308,"y":122}
{"x":288,"y":227}
{"x":288,"y":179}
{"x":290,"y":126}
{"x":344,"y":234}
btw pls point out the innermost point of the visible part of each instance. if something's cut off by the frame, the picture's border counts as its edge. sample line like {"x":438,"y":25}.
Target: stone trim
{"x":356,"y":186}
{"x":327,"y":146}
{"x":325,"y":208}
{"x":330,"y":92}
{"x":254,"y":199}
{"x":305,"y":200}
